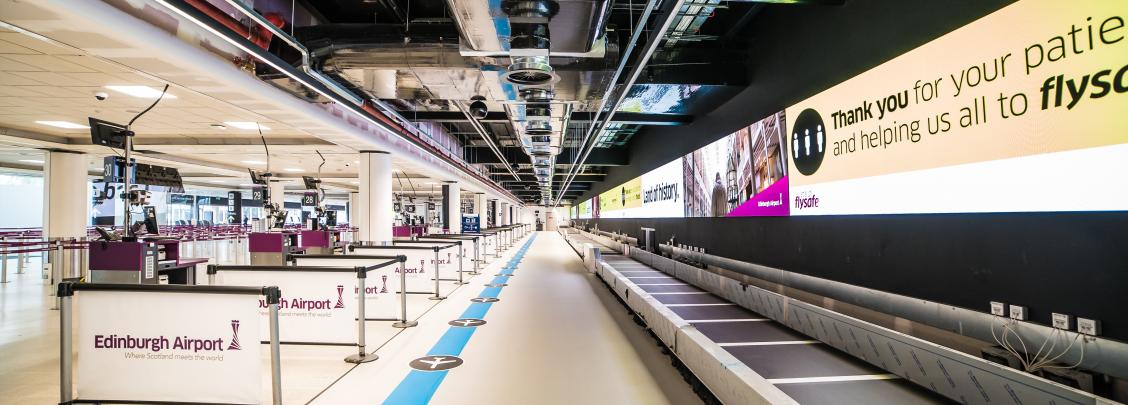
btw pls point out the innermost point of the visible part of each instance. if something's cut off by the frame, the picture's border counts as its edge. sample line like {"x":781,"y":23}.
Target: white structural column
{"x":278,"y":194}
{"x":453,"y":207}
{"x":480,"y":208}
{"x":354,"y":202}
{"x":374,"y":210}
{"x":64,"y":194}
{"x":503,"y":212}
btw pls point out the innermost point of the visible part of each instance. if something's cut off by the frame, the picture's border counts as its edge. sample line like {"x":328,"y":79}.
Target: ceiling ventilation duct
{"x":529,"y":41}
{"x":538,"y":128}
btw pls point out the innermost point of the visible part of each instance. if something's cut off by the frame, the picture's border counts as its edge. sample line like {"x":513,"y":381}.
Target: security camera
{"x":478,"y":108}
{"x":101,"y":95}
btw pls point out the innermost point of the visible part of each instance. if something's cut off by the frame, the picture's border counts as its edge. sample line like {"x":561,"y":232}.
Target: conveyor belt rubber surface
{"x":805,"y":369}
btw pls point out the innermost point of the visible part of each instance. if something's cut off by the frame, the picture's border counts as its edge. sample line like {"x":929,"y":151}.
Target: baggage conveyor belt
{"x":808,"y":371}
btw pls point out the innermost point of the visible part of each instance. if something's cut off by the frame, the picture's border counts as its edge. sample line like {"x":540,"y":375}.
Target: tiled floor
{"x":555,"y":337}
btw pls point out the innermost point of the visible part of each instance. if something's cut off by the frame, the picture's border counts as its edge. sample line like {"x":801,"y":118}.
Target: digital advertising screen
{"x":1023,"y":110}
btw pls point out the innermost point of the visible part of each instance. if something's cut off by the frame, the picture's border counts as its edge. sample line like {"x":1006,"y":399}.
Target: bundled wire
{"x":1039,"y":360}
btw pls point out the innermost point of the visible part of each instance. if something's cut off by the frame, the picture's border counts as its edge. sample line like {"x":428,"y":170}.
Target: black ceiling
{"x":716,"y":57}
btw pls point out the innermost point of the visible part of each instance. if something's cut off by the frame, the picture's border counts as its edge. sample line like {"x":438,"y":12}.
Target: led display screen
{"x":1001,"y":115}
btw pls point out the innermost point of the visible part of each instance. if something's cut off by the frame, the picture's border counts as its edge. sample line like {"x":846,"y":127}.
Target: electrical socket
{"x":1091,"y":327}
{"x":1062,"y":321}
{"x":1018,"y":312}
{"x":998,"y":309}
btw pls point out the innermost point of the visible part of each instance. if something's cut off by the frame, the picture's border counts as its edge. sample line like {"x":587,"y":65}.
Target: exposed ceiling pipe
{"x":489,"y":142}
{"x":306,"y":61}
{"x":588,"y":140}
{"x":365,"y":111}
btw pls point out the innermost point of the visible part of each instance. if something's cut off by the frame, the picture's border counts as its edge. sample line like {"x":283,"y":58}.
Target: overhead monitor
{"x":106,"y":133}
{"x":256,"y":178}
{"x":310,"y":182}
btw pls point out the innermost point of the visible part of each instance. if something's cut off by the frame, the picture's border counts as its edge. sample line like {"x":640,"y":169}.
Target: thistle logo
{"x":808,"y":142}
{"x":340,"y":297}
{"x":234,"y":336}
{"x":383,"y":283}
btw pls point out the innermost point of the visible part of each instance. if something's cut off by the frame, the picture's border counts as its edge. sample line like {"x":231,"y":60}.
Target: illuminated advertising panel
{"x":1020,"y":111}
{"x":742,"y":174}
{"x":1031,"y":117}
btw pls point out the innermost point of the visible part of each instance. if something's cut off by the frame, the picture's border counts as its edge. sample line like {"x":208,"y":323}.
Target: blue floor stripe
{"x":420,"y":386}
{"x":417,"y":388}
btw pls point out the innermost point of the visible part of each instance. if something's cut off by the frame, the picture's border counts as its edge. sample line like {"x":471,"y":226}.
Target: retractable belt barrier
{"x":314,"y":310}
{"x":489,"y":241}
{"x":459,"y":254}
{"x":476,"y":247}
{"x":378,"y":305}
{"x":151,"y":348}
{"x":419,"y":259}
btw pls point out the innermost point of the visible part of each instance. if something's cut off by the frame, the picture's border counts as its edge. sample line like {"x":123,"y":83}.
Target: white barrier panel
{"x":314,"y":307}
{"x":152,"y":347}
{"x":380,"y":289}
{"x":469,"y":244}
{"x":419,"y":267}
{"x":465,"y":251}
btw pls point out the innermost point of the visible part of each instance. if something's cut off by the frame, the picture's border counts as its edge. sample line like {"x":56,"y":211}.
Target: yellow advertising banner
{"x":1035,"y":77}
{"x":627,"y":195}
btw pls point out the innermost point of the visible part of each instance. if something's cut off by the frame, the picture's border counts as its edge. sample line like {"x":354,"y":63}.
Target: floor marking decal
{"x":419,"y":386}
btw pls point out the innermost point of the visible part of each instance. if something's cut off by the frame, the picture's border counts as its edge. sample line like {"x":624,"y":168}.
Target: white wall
{"x":22,"y":198}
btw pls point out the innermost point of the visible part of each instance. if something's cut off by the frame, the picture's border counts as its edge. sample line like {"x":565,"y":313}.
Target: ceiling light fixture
{"x":32,"y":161}
{"x":62,"y":124}
{"x":293,"y":169}
{"x":220,"y":127}
{"x":139,"y":91}
{"x":254,"y":162}
{"x":247,"y":125}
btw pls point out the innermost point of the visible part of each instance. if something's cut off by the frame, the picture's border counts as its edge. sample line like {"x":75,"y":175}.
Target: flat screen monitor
{"x":256,"y":178}
{"x":310,"y":182}
{"x":106,"y":133}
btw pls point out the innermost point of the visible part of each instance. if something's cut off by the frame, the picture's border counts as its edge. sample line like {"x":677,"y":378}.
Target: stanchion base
{"x":358,"y":358}
{"x":405,"y":324}
{"x":473,"y":273}
{"x":460,"y":282}
{"x":436,"y":298}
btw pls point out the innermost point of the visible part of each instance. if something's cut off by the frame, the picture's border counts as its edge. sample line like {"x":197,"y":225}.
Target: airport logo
{"x":467,"y":322}
{"x":234,"y":336}
{"x":155,"y":344}
{"x":808,"y":142}
{"x":310,"y":304}
{"x":435,"y":363}
{"x":373,"y":290}
{"x":340,"y":297}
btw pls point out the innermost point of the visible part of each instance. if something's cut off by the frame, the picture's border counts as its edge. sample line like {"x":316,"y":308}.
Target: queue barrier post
{"x":438,"y":296}
{"x":21,"y":262}
{"x":66,"y":344}
{"x":4,"y":259}
{"x":362,"y":356}
{"x":273,"y":295}
{"x":403,"y":322}
{"x":460,"y":281}
{"x":477,"y":260}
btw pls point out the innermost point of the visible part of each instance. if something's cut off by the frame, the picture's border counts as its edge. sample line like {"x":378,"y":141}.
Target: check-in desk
{"x":148,"y":261}
{"x":321,"y":242}
{"x":272,"y":248}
